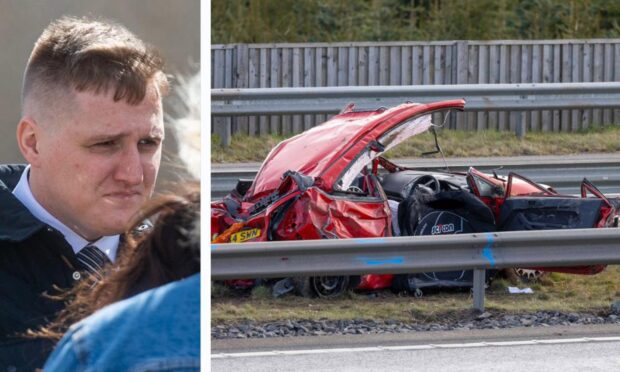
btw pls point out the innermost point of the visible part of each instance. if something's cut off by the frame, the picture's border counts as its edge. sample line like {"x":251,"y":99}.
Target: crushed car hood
{"x":325,"y":151}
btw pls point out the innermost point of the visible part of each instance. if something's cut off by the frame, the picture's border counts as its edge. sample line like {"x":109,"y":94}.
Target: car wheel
{"x":529,"y":275}
{"x":321,"y":286}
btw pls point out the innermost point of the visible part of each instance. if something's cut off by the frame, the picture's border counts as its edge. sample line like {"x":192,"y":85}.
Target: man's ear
{"x":28,"y":134}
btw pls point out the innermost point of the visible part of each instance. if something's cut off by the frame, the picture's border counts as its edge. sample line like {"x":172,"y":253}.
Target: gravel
{"x":468,"y":321}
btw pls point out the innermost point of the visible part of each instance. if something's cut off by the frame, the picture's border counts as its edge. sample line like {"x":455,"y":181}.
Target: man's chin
{"x":116,"y":218}
{"x":116,"y":226}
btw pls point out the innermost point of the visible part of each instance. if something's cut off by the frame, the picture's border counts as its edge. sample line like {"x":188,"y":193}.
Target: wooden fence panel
{"x":587,"y":76}
{"x":526,"y":77}
{"x":566,"y":77}
{"x":240,"y":80}
{"x":285,"y":76}
{"x":608,"y":76}
{"x":438,"y":76}
{"x":462,"y":60}
{"x":416,"y":63}
{"x":504,"y":73}
{"x":483,"y":78}
{"x":221,"y":126}
{"x":515,"y":77}
{"x":352,"y":67}
{"x":545,"y":75}
{"x":494,"y":78}
{"x":577,"y":52}
{"x":405,"y":66}
{"x":616,"y":118}
{"x":263,"y":83}
{"x":597,"y":76}
{"x":274,"y":80}
{"x":394,"y":69}
{"x":296,"y":81}
{"x":537,"y":66}
{"x":384,"y":65}
{"x":556,"y":72}
{"x":416,"y":66}
{"x":309,"y":73}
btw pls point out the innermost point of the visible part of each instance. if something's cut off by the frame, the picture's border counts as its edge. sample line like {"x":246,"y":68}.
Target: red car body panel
{"x":318,"y":215}
{"x":325,"y":151}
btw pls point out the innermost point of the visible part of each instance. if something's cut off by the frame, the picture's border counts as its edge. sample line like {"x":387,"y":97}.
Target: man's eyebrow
{"x":156,"y":135}
{"x":106,"y":137}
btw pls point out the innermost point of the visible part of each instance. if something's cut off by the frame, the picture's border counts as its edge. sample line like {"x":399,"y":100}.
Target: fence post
{"x":479,"y":279}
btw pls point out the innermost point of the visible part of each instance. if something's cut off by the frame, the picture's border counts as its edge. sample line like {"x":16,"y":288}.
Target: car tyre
{"x":321,"y":286}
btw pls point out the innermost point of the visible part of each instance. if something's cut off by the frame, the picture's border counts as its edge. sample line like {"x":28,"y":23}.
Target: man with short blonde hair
{"x":91,"y":131}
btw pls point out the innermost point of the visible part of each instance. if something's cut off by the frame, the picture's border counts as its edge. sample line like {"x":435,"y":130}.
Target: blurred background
{"x":172,"y":26}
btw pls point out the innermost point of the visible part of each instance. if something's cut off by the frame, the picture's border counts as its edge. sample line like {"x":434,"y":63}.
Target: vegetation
{"x":269,"y":21}
{"x":453,"y":143}
{"x":556,"y":292}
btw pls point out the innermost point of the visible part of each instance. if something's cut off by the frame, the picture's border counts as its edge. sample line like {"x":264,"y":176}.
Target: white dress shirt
{"x":107,"y":244}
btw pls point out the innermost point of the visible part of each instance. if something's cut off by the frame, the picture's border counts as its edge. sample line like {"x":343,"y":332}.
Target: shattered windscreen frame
{"x":388,"y":140}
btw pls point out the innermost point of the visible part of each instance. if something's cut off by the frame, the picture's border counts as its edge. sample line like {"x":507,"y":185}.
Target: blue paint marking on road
{"x":487,"y":251}
{"x":370,"y":241}
{"x":397,"y":260}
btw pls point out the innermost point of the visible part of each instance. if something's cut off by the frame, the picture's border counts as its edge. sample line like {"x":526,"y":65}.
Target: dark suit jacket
{"x":34,"y":259}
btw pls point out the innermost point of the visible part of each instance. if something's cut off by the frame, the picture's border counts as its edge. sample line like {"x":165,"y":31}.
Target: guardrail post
{"x":520,"y":127}
{"x":223,"y":128}
{"x":479,"y":276}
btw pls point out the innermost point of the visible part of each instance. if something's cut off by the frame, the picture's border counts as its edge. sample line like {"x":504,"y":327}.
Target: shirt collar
{"x":22,"y":191}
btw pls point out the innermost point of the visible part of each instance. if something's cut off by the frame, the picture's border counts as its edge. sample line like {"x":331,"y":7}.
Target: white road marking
{"x":414,"y":347}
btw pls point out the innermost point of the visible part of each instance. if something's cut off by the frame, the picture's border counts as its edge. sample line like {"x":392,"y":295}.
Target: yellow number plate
{"x":244,"y":235}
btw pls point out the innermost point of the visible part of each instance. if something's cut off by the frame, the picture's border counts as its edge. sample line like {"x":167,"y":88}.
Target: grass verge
{"x":454,"y":144}
{"x":556,"y":292}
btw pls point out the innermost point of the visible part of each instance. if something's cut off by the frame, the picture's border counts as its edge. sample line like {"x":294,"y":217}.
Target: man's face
{"x":99,"y":161}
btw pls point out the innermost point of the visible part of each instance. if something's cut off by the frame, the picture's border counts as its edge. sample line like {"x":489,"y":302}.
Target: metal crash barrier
{"x":479,"y":97}
{"x":400,"y":255}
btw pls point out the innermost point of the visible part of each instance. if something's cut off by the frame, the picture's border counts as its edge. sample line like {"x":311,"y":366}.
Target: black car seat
{"x":445,"y":212}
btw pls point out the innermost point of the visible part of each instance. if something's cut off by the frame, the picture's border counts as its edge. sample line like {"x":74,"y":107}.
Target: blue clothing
{"x":157,"y":330}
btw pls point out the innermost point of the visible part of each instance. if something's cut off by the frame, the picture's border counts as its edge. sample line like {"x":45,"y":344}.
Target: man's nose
{"x":129,"y":169}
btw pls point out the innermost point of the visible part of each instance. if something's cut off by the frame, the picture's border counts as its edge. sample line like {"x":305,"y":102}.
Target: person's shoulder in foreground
{"x":158,"y":330}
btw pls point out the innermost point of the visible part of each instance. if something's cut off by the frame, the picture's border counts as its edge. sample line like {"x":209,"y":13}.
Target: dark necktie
{"x":92,"y":260}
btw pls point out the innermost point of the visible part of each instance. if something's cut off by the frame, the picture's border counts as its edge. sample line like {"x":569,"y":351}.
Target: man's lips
{"x":124,"y":194}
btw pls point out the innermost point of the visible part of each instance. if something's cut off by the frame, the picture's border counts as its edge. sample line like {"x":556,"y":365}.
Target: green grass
{"x":556,"y":292}
{"x":453,"y":143}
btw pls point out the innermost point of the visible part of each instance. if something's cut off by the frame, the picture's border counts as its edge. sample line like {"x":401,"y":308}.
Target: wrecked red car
{"x":331,"y":182}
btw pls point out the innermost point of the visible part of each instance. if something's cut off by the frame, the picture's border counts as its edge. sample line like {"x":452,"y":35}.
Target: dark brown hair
{"x":92,"y":55}
{"x":169,"y":251}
